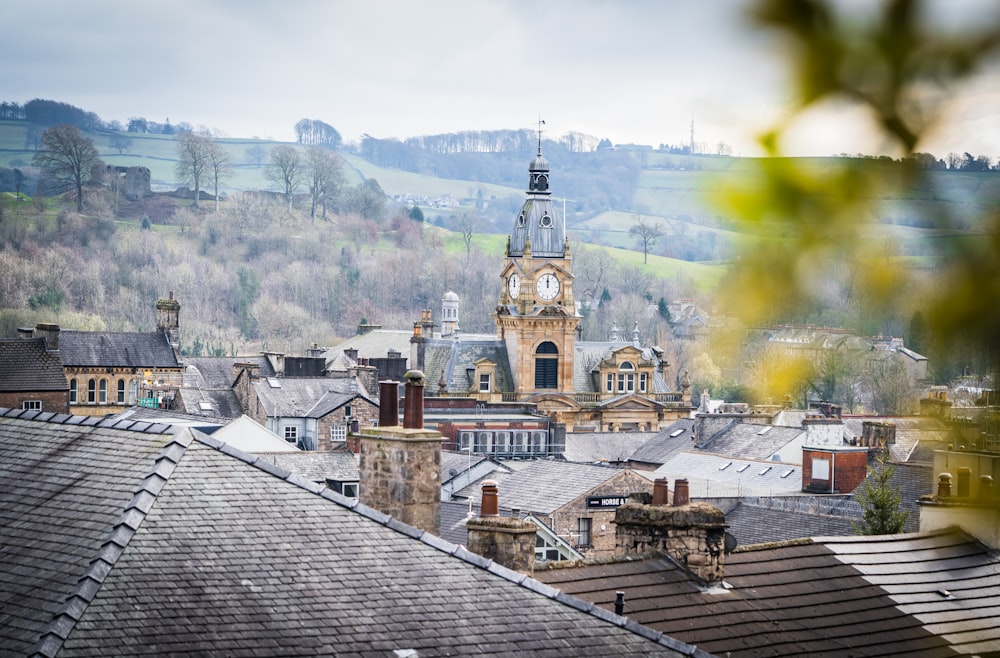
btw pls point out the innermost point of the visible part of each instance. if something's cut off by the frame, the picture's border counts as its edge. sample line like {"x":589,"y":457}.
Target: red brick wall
{"x":848,"y":469}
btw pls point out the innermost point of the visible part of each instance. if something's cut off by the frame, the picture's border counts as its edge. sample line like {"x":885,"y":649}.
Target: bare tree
{"x":286,"y":171}
{"x":193,"y":160}
{"x":326,"y":178}
{"x":256,"y":155}
{"x":218,"y":168}
{"x":68,"y":156}
{"x":468,"y":226}
{"x":594,"y":267}
{"x":120,"y":143}
{"x":648,"y":233}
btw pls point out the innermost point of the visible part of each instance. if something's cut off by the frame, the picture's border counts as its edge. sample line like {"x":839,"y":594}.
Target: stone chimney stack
{"x":878,"y":434}
{"x":401,"y":466}
{"x":50,"y":332}
{"x":692,"y":534}
{"x":508,"y":541}
{"x":168,"y":320}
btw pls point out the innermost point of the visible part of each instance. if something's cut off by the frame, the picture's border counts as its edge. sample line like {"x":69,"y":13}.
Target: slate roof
{"x":745,"y":440}
{"x":452,"y":357}
{"x":543,"y":486}
{"x":594,"y":447}
{"x":588,"y":354}
{"x":219,"y":403}
{"x":98,"y":349}
{"x":316,"y":466}
{"x":306,"y":397}
{"x":217,"y":371}
{"x":25,"y":365}
{"x":717,"y":476}
{"x":768,"y":520}
{"x":454,"y":515}
{"x":664,"y":445}
{"x":134,"y":541}
{"x":208,"y":385}
{"x":830,"y":596}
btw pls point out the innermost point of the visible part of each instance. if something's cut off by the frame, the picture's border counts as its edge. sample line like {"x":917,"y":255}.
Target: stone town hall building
{"x":535,"y":356}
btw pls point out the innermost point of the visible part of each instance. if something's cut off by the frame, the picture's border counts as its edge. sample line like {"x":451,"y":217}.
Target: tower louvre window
{"x":547,"y":366}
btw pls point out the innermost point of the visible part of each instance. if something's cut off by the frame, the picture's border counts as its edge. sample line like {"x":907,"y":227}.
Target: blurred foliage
{"x":894,"y":62}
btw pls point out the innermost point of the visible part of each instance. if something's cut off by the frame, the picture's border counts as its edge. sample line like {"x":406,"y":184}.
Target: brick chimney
{"x":508,"y":541}
{"x":692,"y":534}
{"x":401,"y":466}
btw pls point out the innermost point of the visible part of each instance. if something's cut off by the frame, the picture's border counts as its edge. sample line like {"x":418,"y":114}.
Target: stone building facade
{"x":588,"y":521}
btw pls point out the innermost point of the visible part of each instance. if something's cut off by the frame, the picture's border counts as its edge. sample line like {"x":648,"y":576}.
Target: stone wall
{"x":401,"y":474}
{"x":603,"y":541}
{"x":507,"y":541}
{"x":693,"y":535}
{"x":362,"y":411}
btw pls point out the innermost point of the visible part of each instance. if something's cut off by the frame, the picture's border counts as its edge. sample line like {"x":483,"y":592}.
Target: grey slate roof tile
{"x":25,"y":365}
{"x":825,"y":596}
{"x":660,"y":448}
{"x":316,"y":466}
{"x":116,"y":349}
{"x":230,"y":560}
{"x":544,"y":486}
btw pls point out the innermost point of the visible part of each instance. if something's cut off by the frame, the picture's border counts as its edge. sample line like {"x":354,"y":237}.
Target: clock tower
{"x":536,"y":315}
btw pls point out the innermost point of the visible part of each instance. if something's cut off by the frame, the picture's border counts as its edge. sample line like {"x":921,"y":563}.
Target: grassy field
{"x":673,"y":191}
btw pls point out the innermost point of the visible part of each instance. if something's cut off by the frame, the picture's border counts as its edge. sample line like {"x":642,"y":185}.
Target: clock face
{"x":547,"y":287}
{"x":514,"y":285}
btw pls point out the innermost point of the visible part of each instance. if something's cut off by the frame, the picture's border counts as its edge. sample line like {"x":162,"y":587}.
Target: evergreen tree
{"x":880,"y":503}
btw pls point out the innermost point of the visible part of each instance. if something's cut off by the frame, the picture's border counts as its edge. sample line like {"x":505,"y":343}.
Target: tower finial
{"x":541,"y":122}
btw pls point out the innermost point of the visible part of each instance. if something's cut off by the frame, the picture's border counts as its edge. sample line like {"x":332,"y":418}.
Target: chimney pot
{"x":388,"y":403}
{"x":619,"y":603}
{"x":661,"y":491}
{"x":682,"y":494}
{"x":413,"y":402}
{"x":944,"y":485}
{"x":491,"y":501}
{"x":986,"y":487}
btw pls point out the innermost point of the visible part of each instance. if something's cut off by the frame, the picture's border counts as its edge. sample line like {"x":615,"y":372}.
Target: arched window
{"x":626,"y":378}
{"x":547,"y":365}
{"x":121,"y":392}
{"x":104,"y":391}
{"x":72,"y":391}
{"x":92,"y":391}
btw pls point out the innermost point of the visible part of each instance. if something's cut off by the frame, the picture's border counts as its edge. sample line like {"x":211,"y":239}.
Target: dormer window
{"x":626,"y":378}
{"x":546,"y":221}
{"x":520,"y":219}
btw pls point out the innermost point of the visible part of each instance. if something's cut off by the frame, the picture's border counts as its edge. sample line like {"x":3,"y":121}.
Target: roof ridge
{"x":447,"y":547}
{"x":51,"y":639}
{"x":143,"y":426}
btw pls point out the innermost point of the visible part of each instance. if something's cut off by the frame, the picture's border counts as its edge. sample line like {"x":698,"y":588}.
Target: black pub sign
{"x":605,"y":502}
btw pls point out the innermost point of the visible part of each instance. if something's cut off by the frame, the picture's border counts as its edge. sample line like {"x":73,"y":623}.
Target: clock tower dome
{"x":536,"y":315}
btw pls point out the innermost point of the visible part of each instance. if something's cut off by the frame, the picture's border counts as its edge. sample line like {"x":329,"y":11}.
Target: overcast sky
{"x":632,"y":71}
